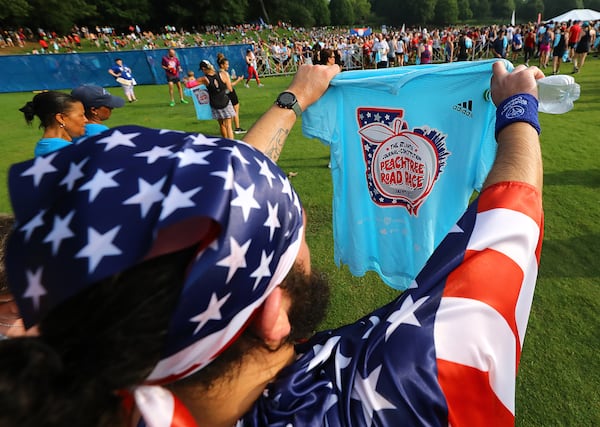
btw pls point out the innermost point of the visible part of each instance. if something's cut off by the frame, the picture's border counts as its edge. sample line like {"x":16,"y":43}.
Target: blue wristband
{"x":521,"y":107}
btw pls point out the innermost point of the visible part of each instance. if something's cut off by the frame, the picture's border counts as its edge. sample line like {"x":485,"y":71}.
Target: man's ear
{"x":271,"y":322}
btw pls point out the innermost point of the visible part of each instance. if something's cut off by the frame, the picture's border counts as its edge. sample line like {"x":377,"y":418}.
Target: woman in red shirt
{"x":529,"y":45}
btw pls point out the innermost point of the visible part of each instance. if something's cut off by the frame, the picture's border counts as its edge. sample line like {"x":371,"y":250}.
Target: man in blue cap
{"x":98,"y":104}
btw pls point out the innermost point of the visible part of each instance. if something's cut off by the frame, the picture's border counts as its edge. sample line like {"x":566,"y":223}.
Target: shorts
{"x":223,"y":113}
{"x":582,"y":48}
{"x":545,"y":47}
{"x":233,"y":98}
{"x":172,"y":79}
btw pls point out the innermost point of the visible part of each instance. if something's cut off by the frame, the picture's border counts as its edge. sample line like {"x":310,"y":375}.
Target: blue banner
{"x":19,"y":73}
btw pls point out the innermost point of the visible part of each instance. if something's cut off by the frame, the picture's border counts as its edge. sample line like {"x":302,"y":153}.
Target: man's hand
{"x":269,"y":133}
{"x":519,"y":157}
{"x":521,"y":80}
{"x":311,"y":82}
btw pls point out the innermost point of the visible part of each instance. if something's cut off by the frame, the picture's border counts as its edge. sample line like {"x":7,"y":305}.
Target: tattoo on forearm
{"x":275,"y":145}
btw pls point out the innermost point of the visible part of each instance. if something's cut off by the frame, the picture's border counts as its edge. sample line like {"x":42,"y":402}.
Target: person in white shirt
{"x":381,"y":49}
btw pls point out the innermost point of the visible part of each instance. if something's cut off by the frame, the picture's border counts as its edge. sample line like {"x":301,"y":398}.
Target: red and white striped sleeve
{"x":161,"y":408}
{"x":483,"y":313}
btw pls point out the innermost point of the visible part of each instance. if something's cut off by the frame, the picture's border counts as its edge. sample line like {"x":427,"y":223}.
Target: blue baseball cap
{"x":96,"y":96}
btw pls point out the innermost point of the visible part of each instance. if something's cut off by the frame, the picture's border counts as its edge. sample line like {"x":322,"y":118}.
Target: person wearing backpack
{"x":218,"y":86}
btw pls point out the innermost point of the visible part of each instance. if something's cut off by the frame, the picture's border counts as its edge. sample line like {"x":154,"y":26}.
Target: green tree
{"x":293,"y":11}
{"x":263,"y":11}
{"x":193,"y":13}
{"x":388,"y":12}
{"x":226,"y":12}
{"x":299,"y":15}
{"x":13,"y":11}
{"x":592,"y":4}
{"x":446,"y":12}
{"x":58,"y":15}
{"x":342,"y":12}
{"x":481,"y":8}
{"x":556,"y":7}
{"x":270,"y":11}
{"x":420,"y":12}
{"x":464,"y":10}
{"x":527,"y":11}
{"x":175,"y":12}
{"x":502,"y":10}
{"x":362,"y":11}
{"x":410,"y":13}
{"x":122,"y":13}
{"x":320,"y":11}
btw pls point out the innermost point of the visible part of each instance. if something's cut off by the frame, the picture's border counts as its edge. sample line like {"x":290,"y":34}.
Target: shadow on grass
{"x":575,"y":261}
{"x":587,"y":178}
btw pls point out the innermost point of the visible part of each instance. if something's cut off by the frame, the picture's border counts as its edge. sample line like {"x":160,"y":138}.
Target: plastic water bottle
{"x":233,"y":74}
{"x":557,"y":93}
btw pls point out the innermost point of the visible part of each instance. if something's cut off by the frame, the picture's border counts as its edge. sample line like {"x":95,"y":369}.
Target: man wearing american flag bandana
{"x":105,"y":212}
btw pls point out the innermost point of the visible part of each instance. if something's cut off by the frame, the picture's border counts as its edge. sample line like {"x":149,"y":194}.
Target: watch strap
{"x":294,"y":106}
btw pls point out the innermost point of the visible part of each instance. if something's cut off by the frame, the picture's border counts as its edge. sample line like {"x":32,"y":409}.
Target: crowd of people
{"x":276,"y":53}
{"x":570,"y":41}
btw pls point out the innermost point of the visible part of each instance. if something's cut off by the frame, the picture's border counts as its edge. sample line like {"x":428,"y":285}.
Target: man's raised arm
{"x":519,"y":156}
{"x":269,"y":133}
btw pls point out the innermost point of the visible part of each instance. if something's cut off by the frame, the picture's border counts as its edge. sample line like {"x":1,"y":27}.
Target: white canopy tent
{"x":577,"y":14}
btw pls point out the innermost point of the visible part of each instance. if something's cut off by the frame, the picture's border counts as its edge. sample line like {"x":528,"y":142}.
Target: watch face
{"x":286,"y":99}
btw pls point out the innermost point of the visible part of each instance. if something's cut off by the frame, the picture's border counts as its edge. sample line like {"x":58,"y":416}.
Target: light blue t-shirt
{"x":91,"y":129}
{"x":409,"y":145}
{"x":48,"y":145}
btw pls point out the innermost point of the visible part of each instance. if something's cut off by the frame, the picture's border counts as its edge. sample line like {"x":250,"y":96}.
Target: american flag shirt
{"x":443,"y":353}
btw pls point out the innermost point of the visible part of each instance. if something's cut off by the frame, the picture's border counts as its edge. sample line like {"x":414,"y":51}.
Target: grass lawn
{"x":560,"y":369}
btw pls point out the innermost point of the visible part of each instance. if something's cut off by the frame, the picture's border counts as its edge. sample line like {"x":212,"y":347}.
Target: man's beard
{"x":309,"y":295}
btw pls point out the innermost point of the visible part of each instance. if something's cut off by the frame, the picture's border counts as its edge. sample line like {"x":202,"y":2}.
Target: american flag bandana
{"x":111,"y":201}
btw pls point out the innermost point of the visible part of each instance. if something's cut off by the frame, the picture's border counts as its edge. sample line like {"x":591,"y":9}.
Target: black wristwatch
{"x":288,"y":100}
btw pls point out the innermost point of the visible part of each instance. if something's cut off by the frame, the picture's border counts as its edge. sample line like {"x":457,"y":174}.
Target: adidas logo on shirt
{"x":465,"y":107}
